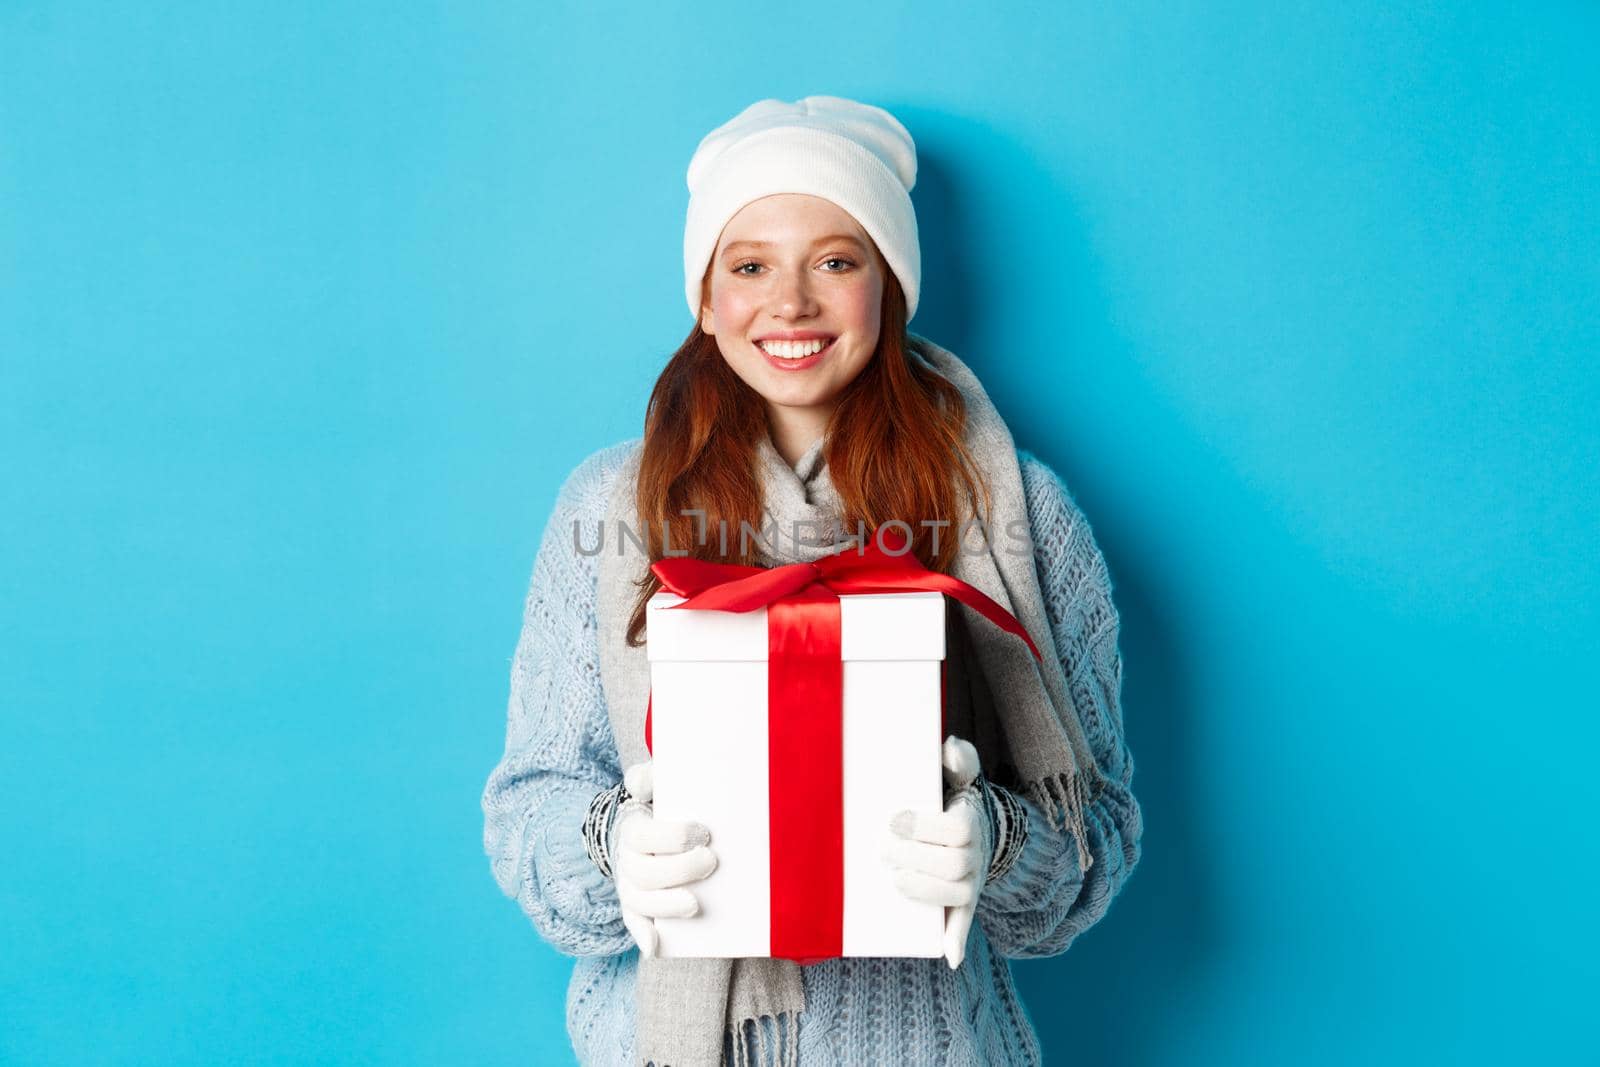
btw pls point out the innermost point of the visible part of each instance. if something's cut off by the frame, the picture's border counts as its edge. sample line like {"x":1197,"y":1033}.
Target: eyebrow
{"x":829,"y":239}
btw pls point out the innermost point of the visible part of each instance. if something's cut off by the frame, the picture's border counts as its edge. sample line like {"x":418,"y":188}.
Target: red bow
{"x":870,"y":569}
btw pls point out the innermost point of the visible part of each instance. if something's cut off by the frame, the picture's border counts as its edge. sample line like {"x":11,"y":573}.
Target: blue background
{"x":306,"y":310}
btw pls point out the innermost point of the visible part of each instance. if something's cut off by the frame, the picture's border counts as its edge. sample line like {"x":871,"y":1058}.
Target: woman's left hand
{"x":942,"y":858}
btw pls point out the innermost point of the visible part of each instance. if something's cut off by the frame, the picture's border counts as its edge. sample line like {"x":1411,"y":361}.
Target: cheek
{"x":864,"y":292}
{"x":732,"y":309}
{"x":863,"y":307}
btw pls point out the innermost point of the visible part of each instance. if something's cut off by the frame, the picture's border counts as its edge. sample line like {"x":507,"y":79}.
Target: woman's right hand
{"x":655,"y":860}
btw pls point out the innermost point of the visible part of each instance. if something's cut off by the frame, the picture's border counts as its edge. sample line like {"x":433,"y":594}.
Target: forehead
{"x":791,"y":218}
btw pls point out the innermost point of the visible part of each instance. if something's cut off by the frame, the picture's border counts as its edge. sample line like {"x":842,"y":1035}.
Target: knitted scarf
{"x":686,"y":1007}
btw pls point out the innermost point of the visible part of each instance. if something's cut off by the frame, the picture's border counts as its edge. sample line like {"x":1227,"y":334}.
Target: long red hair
{"x":894,"y":447}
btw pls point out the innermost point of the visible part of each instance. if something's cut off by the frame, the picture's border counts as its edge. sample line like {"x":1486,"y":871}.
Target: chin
{"x":786,"y":399}
{"x":792,"y":397}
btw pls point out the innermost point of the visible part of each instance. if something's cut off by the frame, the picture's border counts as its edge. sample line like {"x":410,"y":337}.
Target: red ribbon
{"x":805,"y":691}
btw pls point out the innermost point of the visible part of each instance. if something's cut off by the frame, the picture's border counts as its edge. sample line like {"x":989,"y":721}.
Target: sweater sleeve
{"x":559,"y":751}
{"x":1046,"y":899}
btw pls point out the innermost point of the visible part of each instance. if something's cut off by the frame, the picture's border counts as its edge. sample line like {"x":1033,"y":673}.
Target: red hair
{"x":894,"y":447}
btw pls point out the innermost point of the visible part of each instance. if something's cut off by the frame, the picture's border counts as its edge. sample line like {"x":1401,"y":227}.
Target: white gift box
{"x":709,"y":747}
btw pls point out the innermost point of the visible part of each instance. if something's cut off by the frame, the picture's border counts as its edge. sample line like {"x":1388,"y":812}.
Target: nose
{"x":794,"y":297}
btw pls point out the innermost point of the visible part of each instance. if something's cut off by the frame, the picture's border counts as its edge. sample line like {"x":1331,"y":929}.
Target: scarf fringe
{"x":1065,"y":798}
{"x":787,"y":1036}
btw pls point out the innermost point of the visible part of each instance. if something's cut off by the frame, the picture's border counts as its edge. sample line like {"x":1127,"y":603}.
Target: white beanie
{"x":855,"y":155}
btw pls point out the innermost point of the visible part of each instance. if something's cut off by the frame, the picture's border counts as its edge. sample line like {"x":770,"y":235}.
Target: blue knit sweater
{"x":560,"y":752}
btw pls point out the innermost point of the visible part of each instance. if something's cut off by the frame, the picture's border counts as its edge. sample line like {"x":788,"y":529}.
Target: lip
{"x":796,"y":335}
{"x":795,"y":364}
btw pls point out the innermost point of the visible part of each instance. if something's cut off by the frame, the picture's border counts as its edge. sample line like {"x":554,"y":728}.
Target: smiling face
{"x":794,"y":303}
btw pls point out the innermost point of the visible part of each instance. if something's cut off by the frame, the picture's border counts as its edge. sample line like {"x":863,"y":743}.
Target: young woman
{"x":798,"y":417}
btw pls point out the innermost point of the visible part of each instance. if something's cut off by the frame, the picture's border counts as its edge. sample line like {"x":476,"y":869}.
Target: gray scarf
{"x":687,"y":1006}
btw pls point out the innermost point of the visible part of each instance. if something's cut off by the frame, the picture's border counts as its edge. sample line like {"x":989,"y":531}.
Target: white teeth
{"x":793,"y":349}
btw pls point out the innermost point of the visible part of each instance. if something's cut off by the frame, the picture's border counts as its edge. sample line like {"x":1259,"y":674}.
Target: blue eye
{"x":843,"y":265}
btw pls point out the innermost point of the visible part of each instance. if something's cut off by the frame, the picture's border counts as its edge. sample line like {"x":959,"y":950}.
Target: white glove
{"x":942,"y":858}
{"x":654,"y":859}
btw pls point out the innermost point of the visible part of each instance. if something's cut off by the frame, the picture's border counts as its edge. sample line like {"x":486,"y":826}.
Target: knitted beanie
{"x":855,"y":155}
